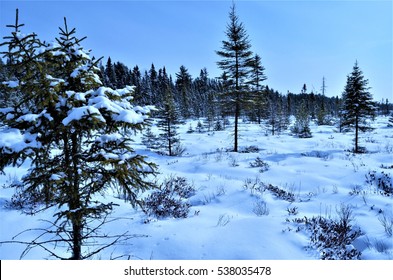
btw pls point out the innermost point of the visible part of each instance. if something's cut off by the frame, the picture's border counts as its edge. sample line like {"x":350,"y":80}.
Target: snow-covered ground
{"x":230,"y":217}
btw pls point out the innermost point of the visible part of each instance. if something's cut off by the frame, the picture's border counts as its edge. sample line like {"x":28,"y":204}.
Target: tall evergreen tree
{"x":273,"y":117}
{"x":201,"y":92}
{"x":236,"y":57}
{"x":321,"y":113}
{"x":153,"y":83}
{"x":136,"y":81}
{"x":183,"y":86}
{"x":386,"y":107}
{"x":110,"y":75}
{"x":277,"y":117}
{"x":76,"y":135}
{"x":168,"y":124}
{"x":258,"y":98}
{"x":257,"y":73}
{"x":122,"y":75}
{"x":358,"y":105}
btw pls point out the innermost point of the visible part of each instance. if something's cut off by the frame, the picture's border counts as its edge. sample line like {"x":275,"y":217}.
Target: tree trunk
{"x":237,"y":112}
{"x":169,"y":138}
{"x":76,"y":238}
{"x":356,"y":134}
{"x":237,"y":105}
{"x":75,"y":201}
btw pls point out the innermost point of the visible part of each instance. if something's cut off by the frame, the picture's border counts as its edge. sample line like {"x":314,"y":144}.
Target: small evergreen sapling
{"x":302,"y":124}
{"x":150,"y":140}
{"x":199,"y":127}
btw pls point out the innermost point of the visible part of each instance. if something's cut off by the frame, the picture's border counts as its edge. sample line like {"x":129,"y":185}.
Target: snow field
{"x":230,"y":218}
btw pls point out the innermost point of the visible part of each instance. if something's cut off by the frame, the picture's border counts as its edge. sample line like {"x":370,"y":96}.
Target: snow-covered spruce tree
{"x":258,"y":104}
{"x":183,"y":86}
{"x":76,"y":135}
{"x":358,"y":106}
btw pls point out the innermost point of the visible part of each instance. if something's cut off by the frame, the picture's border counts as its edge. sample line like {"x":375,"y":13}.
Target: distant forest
{"x":203,"y":96}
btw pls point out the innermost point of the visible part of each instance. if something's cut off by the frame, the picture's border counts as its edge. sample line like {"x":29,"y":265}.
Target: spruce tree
{"x":277,"y":118}
{"x":110,"y":75}
{"x":204,"y":97}
{"x":122,"y":75}
{"x":183,"y":86}
{"x":386,"y":107}
{"x":76,"y":136}
{"x":150,"y":140}
{"x":390,"y":121}
{"x":358,"y":106}
{"x":164,"y":84}
{"x":153,"y":86}
{"x":168,"y":124}
{"x":258,"y":98}
{"x":136,"y":81}
{"x":273,"y":119}
{"x":236,"y":61}
{"x":302,"y":123}
{"x":321,"y":114}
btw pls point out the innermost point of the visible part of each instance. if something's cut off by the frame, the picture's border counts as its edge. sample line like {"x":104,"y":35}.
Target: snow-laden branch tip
{"x":13,"y":141}
{"x":11,"y":84}
{"x":76,"y":114}
{"x":130,"y":116}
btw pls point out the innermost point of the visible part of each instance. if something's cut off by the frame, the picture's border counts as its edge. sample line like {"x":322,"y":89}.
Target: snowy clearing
{"x":237,"y":211}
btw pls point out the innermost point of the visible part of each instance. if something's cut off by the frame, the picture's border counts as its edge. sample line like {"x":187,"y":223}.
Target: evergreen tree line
{"x":202,"y":97}
{"x":192,"y":96}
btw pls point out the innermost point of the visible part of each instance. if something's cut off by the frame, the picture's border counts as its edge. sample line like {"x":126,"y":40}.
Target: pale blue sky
{"x":299,"y":41}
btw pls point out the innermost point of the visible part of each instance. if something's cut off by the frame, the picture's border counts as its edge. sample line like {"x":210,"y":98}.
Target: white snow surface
{"x":221,"y":223}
